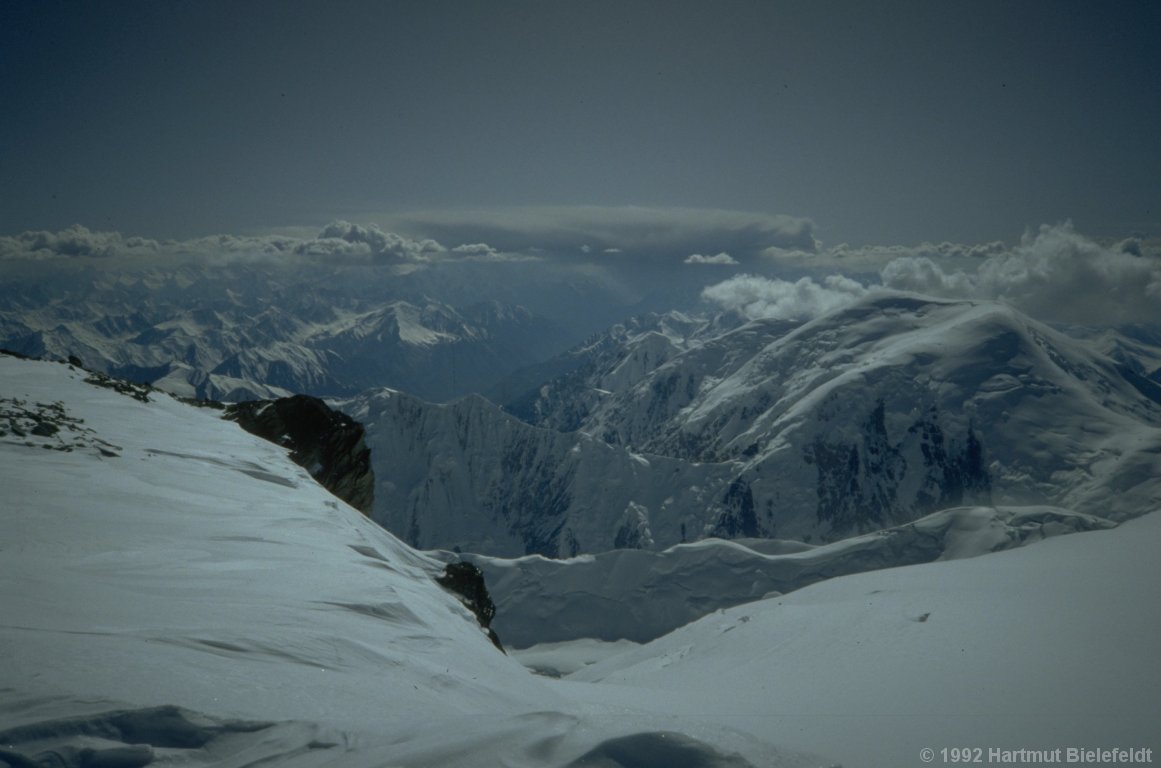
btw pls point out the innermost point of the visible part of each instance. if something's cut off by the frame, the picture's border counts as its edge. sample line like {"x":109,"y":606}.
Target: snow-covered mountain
{"x":178,"y":591}
{"x":469,"y":476}
{"x":242,"y":332}
{"x":866,"y":418}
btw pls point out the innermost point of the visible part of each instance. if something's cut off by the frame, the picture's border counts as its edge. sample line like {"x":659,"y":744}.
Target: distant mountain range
{"x":664,"y":429}
{"x":243,"y":332}
{"x":674,"y":428}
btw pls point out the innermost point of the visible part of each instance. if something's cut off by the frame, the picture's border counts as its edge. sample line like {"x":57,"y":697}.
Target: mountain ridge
{"x":867,"y":417}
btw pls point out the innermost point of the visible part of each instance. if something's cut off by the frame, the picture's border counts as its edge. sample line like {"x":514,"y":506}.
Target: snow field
{"x":199,"y":600}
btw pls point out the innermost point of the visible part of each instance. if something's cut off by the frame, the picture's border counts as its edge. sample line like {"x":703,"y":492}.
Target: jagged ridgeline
{"x":674,"y":429}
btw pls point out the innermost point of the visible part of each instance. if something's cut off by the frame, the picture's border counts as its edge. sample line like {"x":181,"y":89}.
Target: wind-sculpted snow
{"x":134,"y":738}
{"x":194,"y":597}
{"x":641,"y":595}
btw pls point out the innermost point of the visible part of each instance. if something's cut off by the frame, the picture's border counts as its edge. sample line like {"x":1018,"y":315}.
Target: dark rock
{"x":739,"y":519}
{"x":467,"y":581}
{"x":45,"y":429}
{"x":127,"y":388}
{"x":329,"y":444}
{"x":858,"y":482}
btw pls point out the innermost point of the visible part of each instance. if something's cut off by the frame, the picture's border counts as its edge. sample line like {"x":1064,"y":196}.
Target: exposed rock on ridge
{"x":327,"y":443}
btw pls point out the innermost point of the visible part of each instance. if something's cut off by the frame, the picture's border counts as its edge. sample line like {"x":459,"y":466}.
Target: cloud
{"x":476,"y":250}
{"x":345,"y":240}
{"x":920,"y":274}
{"x":587,"y":232}
{"x":1057,"y":274}
{"x":719,"y":258}
{"x":625,"y":237}
{"x":339,"y":242}
{"x":870,"y":258}
{"x":75,"y":242}
{"x":485,"y":252}
{"x":759,"y":297}
{"x":1054,"y":274}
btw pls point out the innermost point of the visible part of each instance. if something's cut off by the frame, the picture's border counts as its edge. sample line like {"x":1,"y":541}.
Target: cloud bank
{"x":340,"y":242}
{"x":622,"y":236}
{"x":663,"y":234}
{"x":74,"y":242}
{"x":1054,"y":274}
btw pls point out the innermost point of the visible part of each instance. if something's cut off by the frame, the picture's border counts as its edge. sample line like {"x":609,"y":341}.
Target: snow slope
{"x":175,"y":590}
{"x":639,"y":595}
{"x":1041,"y":647}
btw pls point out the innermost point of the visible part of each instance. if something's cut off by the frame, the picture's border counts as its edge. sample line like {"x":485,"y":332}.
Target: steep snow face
{"x":890,"y":409}
{"x":178,"y":591}
{"x":1042,"y":647}
{"x":467,"y":475}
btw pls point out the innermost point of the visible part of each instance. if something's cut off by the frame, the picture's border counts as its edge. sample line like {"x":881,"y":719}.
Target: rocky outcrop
{"x":467,"y":581}
{"x":859,"y":481}
{"x":327,"y":443}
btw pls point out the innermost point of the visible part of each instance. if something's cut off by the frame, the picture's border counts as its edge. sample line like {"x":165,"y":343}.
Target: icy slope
{"x":1042,"y":647}
{"x":177,"y":590}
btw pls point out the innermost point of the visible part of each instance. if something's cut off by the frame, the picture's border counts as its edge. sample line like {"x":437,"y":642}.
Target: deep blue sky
{"x":888,"y":122}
